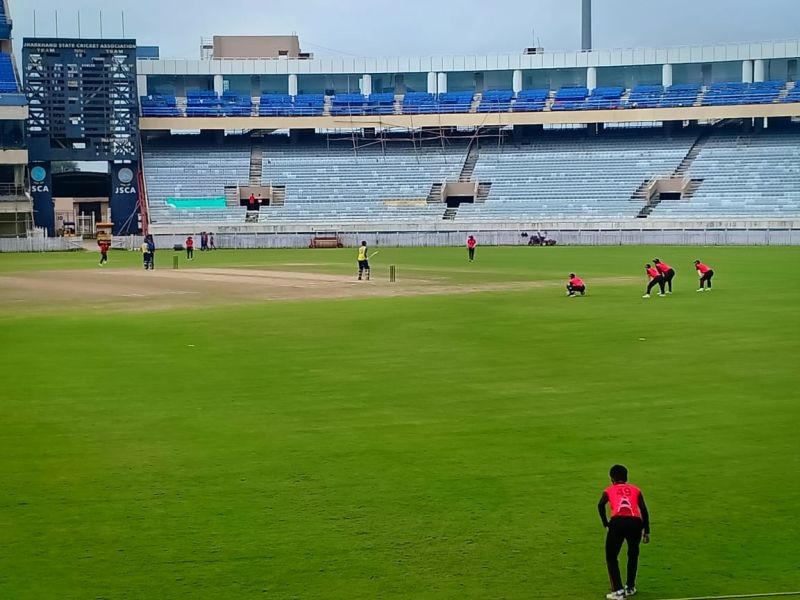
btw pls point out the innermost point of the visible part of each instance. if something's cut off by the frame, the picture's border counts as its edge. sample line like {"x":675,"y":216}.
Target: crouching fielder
{"x":575,"y":286}
{"x":363,"y":261}
{"x":705,"y":273}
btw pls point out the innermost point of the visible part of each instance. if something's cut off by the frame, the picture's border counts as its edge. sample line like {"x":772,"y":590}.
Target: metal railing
{"x":12,"y":191}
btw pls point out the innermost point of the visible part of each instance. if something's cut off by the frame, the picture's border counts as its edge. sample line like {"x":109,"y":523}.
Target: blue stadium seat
{"x":203,"y":103}
{"x":419,"y":103}
{"x":236,"y":105}
{"x":275,"y":105}
{"x":5,"y":23}
{"x":645,"y":96}
{"x":734,"y":92}
{"x":530,"y":100}
{"x":496,"y":101}
{"x":680,"y":95}
{"x":8,"y":81}
{"x":309,"y":105}
{"x":380,"y":104}
{"x":159,"y":105}
{"x":348,"y":104}
{"x":570,"y":98}
{"x":604,"y":98}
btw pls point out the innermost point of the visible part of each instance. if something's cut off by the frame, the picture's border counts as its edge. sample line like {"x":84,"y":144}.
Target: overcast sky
{"x":410,"y":27}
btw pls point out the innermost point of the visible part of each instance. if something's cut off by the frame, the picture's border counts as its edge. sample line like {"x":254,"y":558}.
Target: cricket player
{"x":104,"y":247}
{"x":189,"y":248}
{"x":667,"y":272}
{"x":363,"y":261}
{"x":575,"y":286}
{"x":706,"y":273}
{"x":656,"y":278}
{"x":145,"y":248}
{"x":471,"y":243}
{"x":630,"y":522}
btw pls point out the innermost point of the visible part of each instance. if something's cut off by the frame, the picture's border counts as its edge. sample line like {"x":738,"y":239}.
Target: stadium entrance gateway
{"x":83,"y":108}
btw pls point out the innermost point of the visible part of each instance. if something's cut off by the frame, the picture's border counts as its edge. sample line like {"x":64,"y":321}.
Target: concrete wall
{"x":572,"y":237}
{"x":255,"y":46}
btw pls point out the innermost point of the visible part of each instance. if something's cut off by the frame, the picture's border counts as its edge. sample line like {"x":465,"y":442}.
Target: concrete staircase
{"x":476,"y":100}
{"x":435,"y":195}
{"x":701,"y":96}
{"x":398,"y":104}
{"x":256,"y":163}
{"x":685,"y":164}
{"x":326,"y":106}
{"x":484,"y":187}
{"x":278,"y":195}
{"x":231,"y":195}
{"x":790,"y":85}
{"x":449,"y":214}
{"x":468,"y":168}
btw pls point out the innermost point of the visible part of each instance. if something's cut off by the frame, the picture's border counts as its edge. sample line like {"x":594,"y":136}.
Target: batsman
{"x":363,"y":261}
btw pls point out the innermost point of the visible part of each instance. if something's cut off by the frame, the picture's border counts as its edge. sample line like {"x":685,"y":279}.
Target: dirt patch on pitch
{"x":139,"y":290}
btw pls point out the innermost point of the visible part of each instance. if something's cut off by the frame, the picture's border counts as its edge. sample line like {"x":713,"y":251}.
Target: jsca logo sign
{"x":125,"y":176}
{"x":38,"y":175}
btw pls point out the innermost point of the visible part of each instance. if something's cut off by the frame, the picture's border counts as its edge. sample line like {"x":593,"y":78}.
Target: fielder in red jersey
{"x":706,"y":273}
{"x":630,"y":522}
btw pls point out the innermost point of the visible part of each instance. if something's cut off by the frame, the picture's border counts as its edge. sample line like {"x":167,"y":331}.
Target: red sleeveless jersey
{"x":624,"y":500}
{"x":653,"y":273}
{"x":663,"y":267}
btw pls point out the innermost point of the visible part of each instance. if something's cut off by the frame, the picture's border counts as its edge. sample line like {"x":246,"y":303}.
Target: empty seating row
{"x":8,"y":80}
{"x":730,"y":93}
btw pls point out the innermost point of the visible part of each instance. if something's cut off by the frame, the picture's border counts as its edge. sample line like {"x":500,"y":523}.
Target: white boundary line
{"x":768,"y":595}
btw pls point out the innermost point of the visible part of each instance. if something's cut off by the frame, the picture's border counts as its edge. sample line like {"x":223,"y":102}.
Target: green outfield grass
{"x":450,"y":446}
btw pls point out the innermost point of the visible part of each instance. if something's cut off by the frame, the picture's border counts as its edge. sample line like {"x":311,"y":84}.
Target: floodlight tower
{"x":586,"y":25}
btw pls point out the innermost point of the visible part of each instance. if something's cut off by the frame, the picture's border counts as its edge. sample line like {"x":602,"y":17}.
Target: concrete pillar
{"x":218,"y":85}
{"x":292,"y":84}
{"x":586,"y":25}
{"x":666,"y":75}
{"x":516,"y":81}
{"x":431,"y":83}
{"x":759,"y":70}
{"x":747,"y":71}
{"x":366,"y":84}
{"x":441,"y":84}
{"x":591,"y":78}
{"x":141,"y":84}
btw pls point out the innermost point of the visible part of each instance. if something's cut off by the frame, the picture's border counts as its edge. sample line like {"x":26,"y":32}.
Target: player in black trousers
{"x":629,"y":523}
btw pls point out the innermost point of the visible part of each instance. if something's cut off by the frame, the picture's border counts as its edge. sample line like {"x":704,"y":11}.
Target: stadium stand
{"x":309,"y":104}
{"x":201,"y":103}
{"x":184,"y":170}
{"x":567,"y":176}
{"x":380,"y":104}
{"x":496,"y":101}
{"x":557,"y":175}
{"x":159,"y":105}
{"x":273,"y":105}
{"x":743,"y":176}
{"x":792,"y":94}
{"x":722,"y":94}
{"x":5,"y":23}
{"x":236,"y":105}
{"x":419,"y":103}
{"x":8,"y":80}
{"x":336,"y":184}
{"x":570,"y":98}
{"x":530,"y":100}
{"x":455,"y":102}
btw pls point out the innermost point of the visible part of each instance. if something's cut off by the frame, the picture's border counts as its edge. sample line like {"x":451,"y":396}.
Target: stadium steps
{"x":701,"y":96}
{"x":398,"y":104}
{"x":790,"y":85}
{"x":251,"y":216}
{"x":693,"y":186}
{"x":639,"y":193}
{"x":231,"y":195}
{"x":256,"y":164}
{"x":180,"y":104}
{"x":327,"y":104}
{"x":278,"y":195}
{"x":484,"y":187}
{"x":468,"y":169}
{"x":551,"y":99}
{"x":686,"y":164}
{"x":476,"y":100}
{"x":449,"y":214}
{"x":435,"y":195}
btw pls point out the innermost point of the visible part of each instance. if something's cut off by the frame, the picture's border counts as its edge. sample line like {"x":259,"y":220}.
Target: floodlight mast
{"x":586,"y":25}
